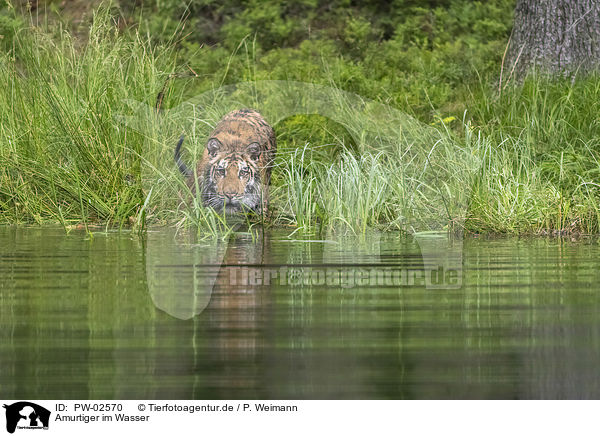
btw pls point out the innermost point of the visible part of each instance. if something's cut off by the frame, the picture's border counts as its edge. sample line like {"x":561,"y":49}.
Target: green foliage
{"x":10,"y":23}
{"x":548,"y":134}
{"x":65,"y":158}
{"x":421,"y":58}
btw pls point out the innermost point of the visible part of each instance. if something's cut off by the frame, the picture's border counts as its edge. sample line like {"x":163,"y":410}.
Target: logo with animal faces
{"x":26,"y":415}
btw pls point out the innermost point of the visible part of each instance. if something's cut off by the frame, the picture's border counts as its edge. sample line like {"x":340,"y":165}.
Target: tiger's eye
{"x":220,"y":172}
{"x":244,"y":172}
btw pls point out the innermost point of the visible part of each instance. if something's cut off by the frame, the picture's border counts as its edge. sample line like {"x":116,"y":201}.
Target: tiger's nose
{"x":229,"y":195}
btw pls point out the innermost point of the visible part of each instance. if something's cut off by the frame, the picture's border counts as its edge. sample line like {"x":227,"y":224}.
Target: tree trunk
{"x":554,"y":36}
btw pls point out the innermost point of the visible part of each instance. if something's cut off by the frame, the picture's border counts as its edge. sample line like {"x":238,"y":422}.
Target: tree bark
{"x":554,"y":36}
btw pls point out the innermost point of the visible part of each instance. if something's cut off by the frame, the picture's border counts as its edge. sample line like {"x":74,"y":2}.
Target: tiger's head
{"x":232,"y":179}
{"x":235,"y":169}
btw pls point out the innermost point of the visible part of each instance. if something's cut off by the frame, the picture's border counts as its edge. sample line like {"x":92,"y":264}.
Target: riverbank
{"x":514,"y":159}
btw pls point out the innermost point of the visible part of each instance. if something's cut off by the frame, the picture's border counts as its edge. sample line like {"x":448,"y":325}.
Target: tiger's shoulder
{"x":249,"y":125}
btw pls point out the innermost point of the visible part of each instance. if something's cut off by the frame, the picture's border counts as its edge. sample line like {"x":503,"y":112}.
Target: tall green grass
{"x":418,"y":181}
{"x":522,"y":161}
{"x":541,"y":175}
{"x":63,"y":157}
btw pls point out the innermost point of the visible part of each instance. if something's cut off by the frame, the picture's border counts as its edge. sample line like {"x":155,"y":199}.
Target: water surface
{"x":269,"y":316}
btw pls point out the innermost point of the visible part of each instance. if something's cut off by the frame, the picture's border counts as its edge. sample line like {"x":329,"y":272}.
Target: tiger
{"x":235,"y":169}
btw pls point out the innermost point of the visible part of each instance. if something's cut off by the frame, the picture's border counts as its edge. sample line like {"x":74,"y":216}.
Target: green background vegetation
{"x":66,"y":69}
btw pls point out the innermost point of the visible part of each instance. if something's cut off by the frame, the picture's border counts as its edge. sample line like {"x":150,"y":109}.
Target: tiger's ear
{"x":213,"y":146}
{"x":253,"y":150}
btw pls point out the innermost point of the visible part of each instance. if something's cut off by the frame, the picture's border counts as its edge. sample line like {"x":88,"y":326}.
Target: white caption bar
{"x":148,"y":417}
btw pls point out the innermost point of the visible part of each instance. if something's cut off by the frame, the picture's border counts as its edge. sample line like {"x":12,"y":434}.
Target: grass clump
{"x":63,"y":156}
{"x":540,"y":177}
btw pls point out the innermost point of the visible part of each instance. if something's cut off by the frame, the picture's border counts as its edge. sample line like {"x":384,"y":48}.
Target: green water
{"x":269,"y":316}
